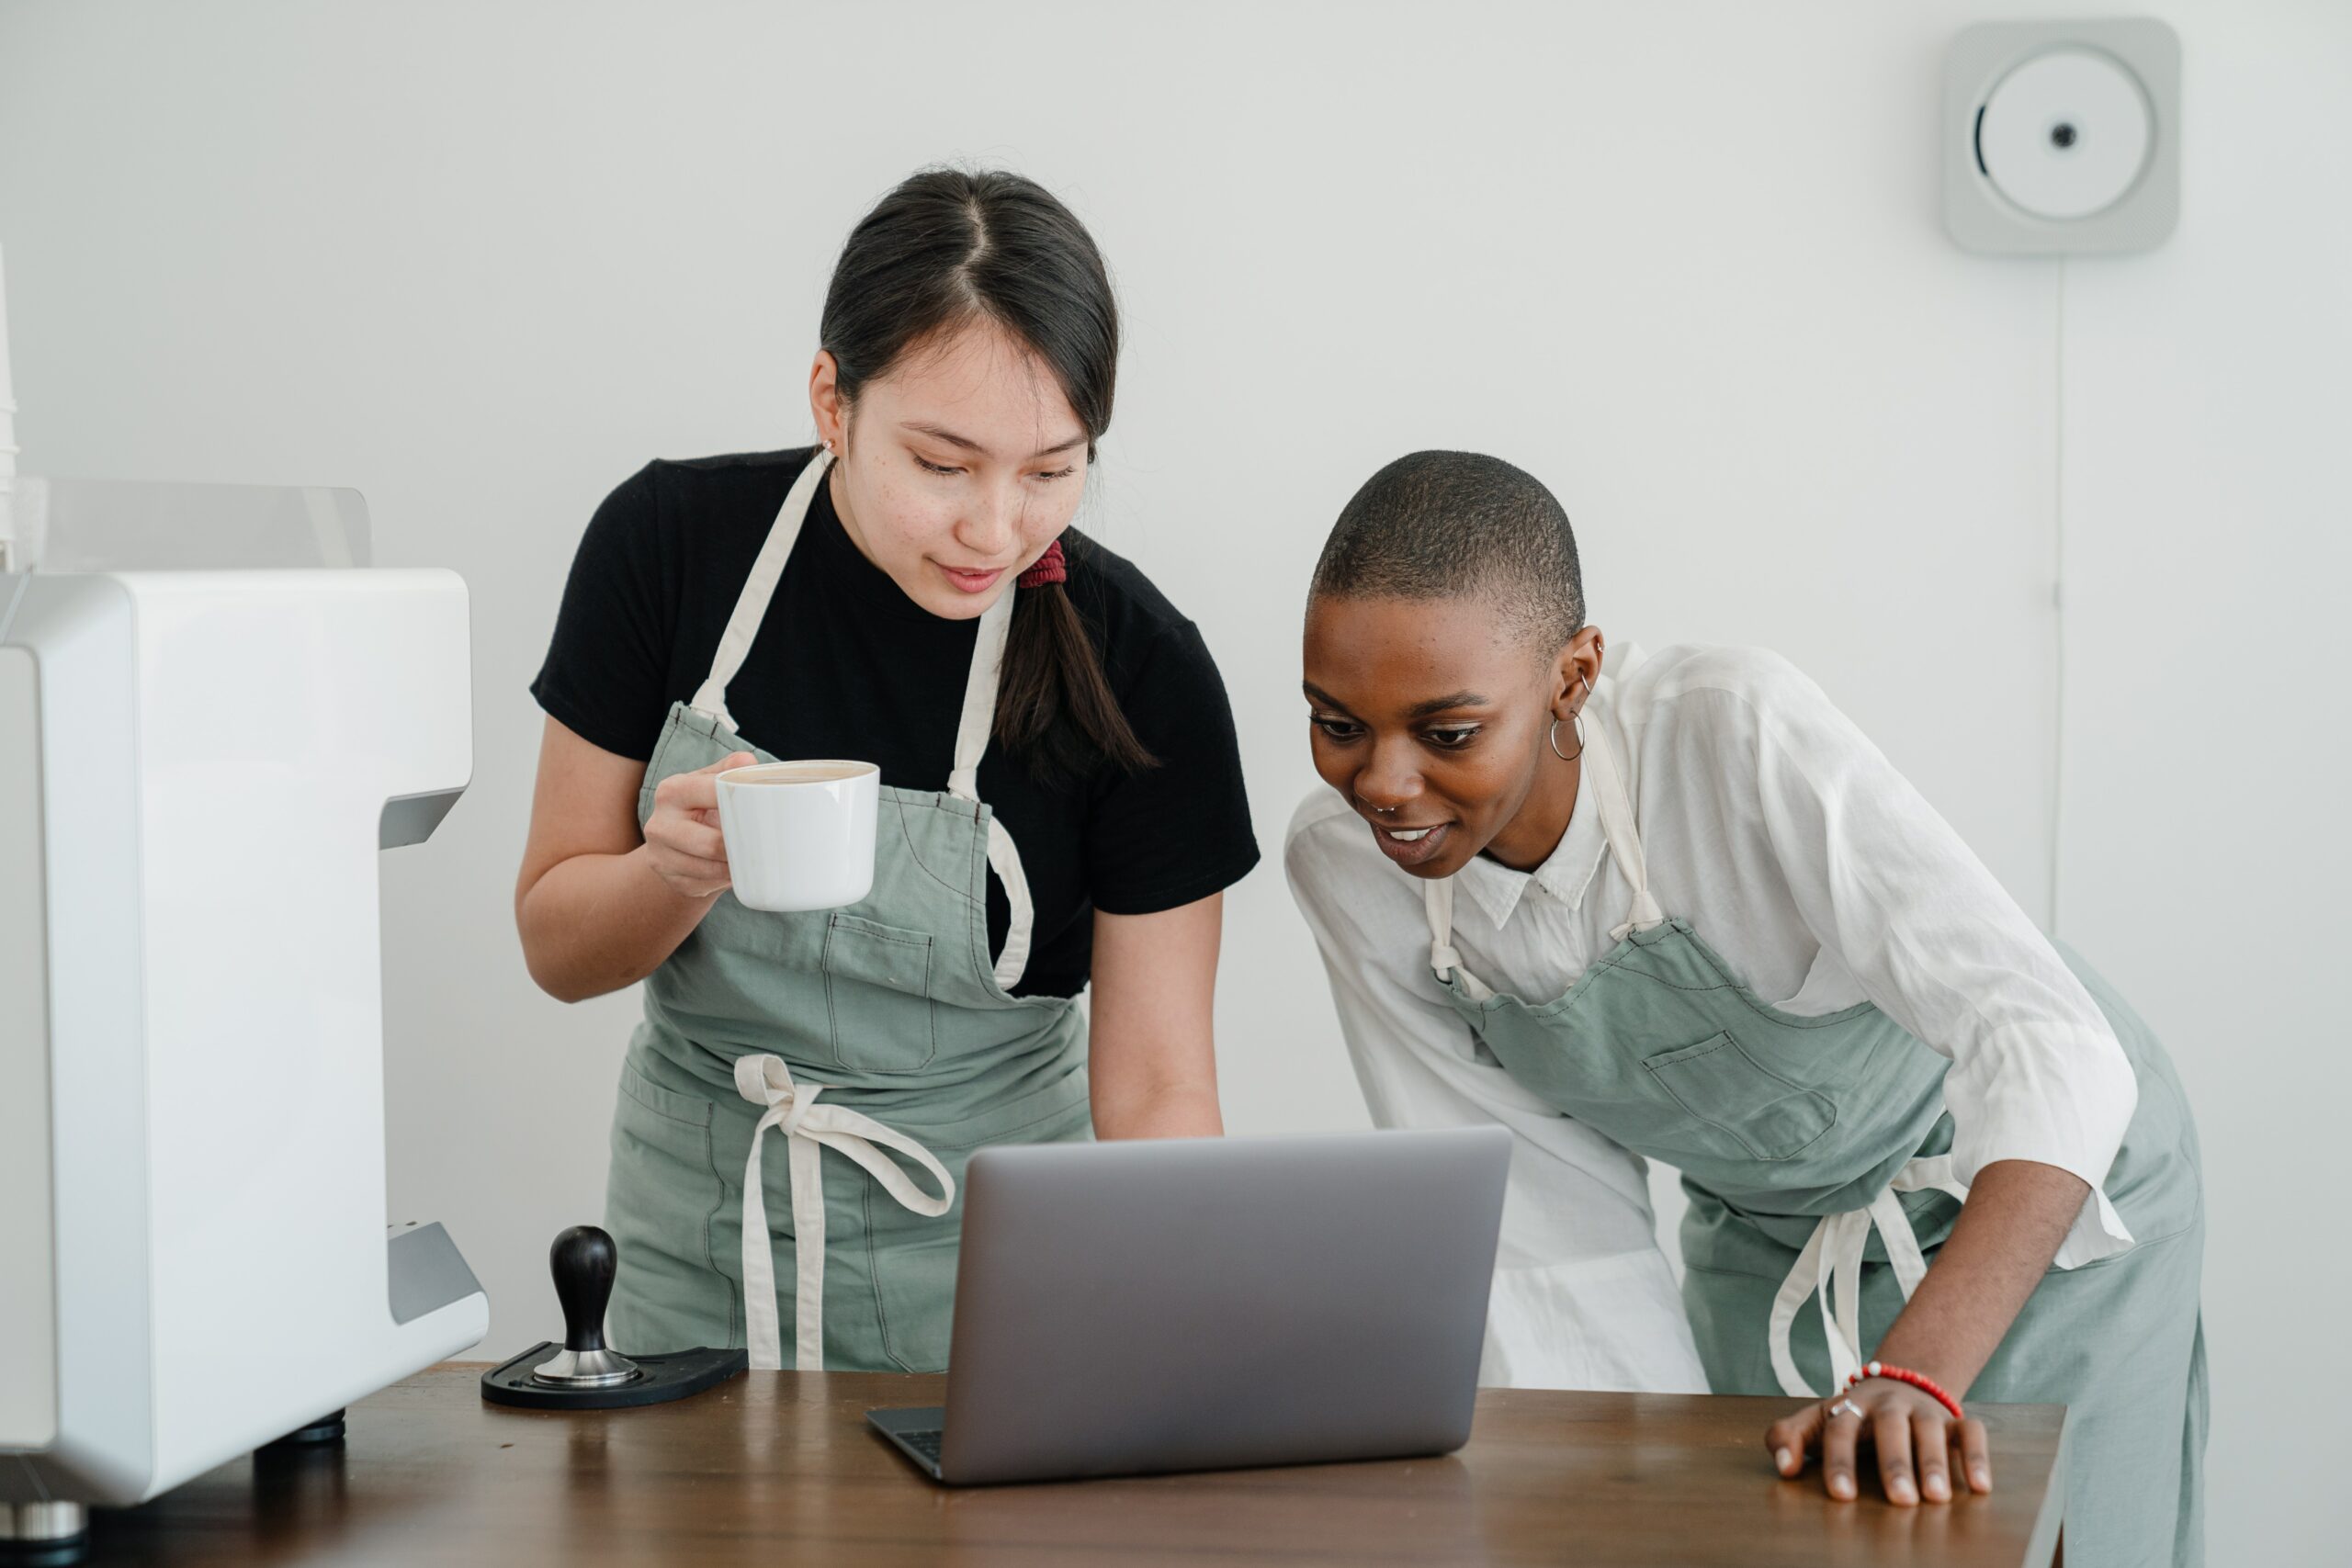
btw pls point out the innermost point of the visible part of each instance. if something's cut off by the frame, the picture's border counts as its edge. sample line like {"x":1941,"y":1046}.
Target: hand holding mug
{"x":683,"y":841}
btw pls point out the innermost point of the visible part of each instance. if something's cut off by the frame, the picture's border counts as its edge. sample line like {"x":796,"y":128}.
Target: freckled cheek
{"x":1034,"y":527}
{"x":915,"y":524}
{"x":1051,"y":513}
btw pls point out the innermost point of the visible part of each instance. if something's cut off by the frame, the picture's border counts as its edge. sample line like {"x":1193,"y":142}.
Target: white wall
{"x":1682,"y":260}
{"x":2206,"y":850}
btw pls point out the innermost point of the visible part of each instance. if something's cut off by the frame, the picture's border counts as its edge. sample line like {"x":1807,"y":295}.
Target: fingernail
{"x":1786,"y":1459}
{"x":1982,"y":1477}
{"x":1937,"y":1488}
{"x":1903,"y":1491}
{"x":1842,"y":1486}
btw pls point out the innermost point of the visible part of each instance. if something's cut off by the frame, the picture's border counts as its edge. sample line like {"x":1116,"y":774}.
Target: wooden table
{"x":778,"y":1469}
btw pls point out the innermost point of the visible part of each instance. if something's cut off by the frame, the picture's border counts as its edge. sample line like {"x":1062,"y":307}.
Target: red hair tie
{"x":1049,"y":567}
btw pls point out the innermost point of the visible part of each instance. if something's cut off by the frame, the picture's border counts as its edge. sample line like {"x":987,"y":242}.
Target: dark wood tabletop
{"x":780,"y":1468}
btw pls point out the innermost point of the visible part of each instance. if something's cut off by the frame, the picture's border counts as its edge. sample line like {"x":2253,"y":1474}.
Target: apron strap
{"x":1624,"y":840}
{"x":972,"y":733}
{"x":1831,"y":1263}
{"x":977,"y":721}
{"x":1445,"y":960}
{"x":751,"y":604}
{"x":808,"y":1128}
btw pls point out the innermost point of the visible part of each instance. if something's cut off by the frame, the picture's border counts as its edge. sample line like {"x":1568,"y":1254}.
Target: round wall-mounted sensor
{"x":2062,"y":138}
{"x":2065,"y":134}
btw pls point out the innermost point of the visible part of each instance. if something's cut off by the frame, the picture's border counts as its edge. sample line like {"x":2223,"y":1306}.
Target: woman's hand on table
{"x":683,"y":844}
{"x":2016,"y":1213}
{"x":1922,"y":1450}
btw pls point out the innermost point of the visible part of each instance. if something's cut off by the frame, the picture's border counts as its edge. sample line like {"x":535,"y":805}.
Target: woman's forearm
{"x":596,"y":923}
{"x":1156,"y":1110}
{"x":2016,"y":1214}
{"x":1151,"y":1050}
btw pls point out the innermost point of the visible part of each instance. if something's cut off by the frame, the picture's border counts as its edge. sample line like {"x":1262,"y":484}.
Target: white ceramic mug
{"x":800,"y":835}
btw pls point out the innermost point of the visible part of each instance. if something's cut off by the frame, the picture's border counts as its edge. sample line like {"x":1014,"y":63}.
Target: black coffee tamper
{"x":583,"y":1260}
{"x":583,"y":1372}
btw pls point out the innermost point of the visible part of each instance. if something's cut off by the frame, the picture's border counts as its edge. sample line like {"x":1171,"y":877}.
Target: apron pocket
{"x":913,"y":1261}
{"x":1723,"y":1087}
{"x":877,"y":995}
{"x":663,"y":1192}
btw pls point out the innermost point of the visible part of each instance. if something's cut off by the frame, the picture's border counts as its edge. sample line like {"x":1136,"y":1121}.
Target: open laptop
{"x":1133,"y":1307}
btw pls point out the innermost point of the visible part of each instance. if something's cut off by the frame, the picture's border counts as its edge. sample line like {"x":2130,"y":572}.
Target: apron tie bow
{"x":1830,"y":1267}
{"x":808,"y":1128}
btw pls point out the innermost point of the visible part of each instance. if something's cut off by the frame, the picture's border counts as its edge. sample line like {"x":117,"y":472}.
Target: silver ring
{"x":1844,"y":1407}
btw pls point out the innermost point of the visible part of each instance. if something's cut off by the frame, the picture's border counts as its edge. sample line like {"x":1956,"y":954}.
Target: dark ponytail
{"x":950,"y":246}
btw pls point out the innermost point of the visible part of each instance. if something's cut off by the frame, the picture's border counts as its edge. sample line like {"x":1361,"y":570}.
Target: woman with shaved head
{"x":1677,"y":907}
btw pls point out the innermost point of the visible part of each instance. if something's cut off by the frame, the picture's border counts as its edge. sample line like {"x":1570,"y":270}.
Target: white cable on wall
{"x":2058,"y":588}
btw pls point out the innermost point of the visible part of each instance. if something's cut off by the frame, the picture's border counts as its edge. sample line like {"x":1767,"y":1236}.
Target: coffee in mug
{"x":800,"y":835}
{"x":796,"y":773}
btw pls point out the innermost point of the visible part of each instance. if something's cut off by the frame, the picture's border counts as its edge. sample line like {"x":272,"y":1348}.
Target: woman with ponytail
{"x":1061,"y":806}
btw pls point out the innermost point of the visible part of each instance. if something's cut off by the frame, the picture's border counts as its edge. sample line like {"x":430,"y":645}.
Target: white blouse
{"x":1822,"y":877}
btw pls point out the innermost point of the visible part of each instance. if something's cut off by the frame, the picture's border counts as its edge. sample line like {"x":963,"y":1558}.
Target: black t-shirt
{"x":846,"y":665}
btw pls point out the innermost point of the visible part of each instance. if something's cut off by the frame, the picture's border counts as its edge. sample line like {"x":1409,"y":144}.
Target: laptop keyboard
{"x":923,"y":1443}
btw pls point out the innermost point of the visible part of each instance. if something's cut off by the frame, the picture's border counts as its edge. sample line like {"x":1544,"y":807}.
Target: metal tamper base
{"x":584,"y":1373}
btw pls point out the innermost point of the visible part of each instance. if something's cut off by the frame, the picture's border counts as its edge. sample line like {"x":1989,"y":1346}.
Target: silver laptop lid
{"x":1200,"y":1304}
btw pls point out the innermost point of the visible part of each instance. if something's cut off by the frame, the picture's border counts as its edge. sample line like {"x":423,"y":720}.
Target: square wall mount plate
{"x":2062,"y":138}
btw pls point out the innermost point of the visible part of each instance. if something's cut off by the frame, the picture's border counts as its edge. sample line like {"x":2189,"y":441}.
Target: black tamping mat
{"x":673,"y":1375}
{"x":583,"y":1374}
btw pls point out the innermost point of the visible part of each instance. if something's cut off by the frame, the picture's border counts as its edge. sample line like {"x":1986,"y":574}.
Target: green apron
{"x":1816,"y":1152}
{"x":884,"y":1026}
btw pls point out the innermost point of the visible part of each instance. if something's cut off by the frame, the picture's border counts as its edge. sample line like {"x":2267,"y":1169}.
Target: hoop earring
{"x":1577,"y":719}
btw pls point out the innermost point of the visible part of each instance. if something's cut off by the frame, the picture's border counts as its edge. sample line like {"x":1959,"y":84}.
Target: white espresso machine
{"x":214,"y":717}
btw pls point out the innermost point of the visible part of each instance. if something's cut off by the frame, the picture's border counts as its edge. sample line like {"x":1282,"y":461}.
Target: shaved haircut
{"x":1459,"y":525}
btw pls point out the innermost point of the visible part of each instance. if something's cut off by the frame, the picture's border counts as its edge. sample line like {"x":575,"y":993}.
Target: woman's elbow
{"x":550,"y":974}
{"x":552,"y":964}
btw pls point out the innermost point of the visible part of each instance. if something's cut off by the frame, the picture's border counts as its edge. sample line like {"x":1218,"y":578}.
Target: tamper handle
{"x":583,"y":1260}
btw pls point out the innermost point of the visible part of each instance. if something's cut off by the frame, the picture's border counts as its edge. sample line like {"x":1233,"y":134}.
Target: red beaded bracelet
{"x":1920,"y":1381}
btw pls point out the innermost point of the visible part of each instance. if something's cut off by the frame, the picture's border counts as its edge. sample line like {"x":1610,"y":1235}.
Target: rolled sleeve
{"x":2056,"y":1094}
{"x":1937,"y":942}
